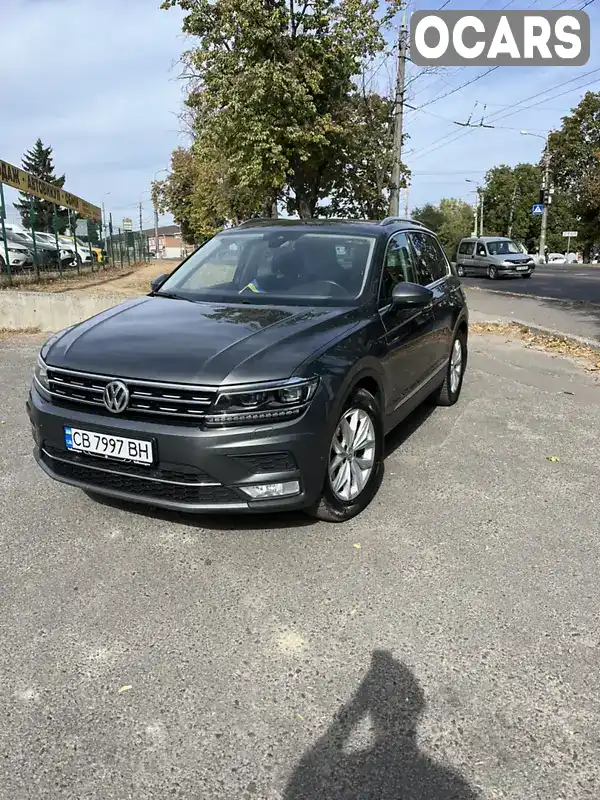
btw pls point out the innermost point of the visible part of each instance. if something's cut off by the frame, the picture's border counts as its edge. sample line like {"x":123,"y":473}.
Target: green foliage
{"x":38,"y":161}
{"x":452,"y":220}
{"x":430,"y":216}
{"x":575,"y":166}
{"x":518,"y":188}
{"x":276,"y":111}
{"x":365,"y":167}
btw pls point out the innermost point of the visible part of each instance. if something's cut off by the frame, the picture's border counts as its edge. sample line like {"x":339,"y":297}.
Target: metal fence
{"x":53,"y":240}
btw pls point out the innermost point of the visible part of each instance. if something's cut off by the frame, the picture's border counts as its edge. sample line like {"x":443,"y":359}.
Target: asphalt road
{"x":454,"y":654}
{"x":570,"y":282}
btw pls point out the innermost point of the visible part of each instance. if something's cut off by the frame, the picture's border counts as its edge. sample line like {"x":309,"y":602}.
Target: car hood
{"x":160,"y":339}
{"x":517,"y":257}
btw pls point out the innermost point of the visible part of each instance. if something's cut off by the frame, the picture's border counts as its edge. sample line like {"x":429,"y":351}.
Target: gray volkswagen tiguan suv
{"x":261,"y":375}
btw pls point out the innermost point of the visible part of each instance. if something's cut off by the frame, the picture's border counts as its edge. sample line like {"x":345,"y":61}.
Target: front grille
{"x":179,"y":473}
{"x":148,"y":489}
{"x":146,"y":398}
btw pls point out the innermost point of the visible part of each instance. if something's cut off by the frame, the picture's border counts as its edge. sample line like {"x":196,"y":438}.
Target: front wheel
{"x":526,"y":276}
{"x":460,"y":270}
{"x":492,"y":272}
{"x":355,"y":460}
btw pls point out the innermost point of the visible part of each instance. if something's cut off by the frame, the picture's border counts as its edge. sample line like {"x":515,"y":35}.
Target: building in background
{"x":170,"y":242}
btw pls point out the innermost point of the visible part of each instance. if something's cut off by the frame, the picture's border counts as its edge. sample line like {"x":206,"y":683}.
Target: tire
{"x":449,"y":391}
{"x":332,"y":506}
{"x":460,"y":270}
{"x":492,"y":272}
{"x":526,"y":276}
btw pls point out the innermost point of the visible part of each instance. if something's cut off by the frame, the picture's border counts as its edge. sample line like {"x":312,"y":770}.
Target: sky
{"x":99,"y":82}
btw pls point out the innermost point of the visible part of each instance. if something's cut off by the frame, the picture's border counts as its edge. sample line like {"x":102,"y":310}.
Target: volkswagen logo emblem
{"x":116,"y":397}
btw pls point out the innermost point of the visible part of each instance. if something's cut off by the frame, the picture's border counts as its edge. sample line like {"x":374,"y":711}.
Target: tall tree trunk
{"x":304,"y":207}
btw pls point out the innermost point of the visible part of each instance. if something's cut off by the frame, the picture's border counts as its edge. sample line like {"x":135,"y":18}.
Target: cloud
{"x":97,"y":82}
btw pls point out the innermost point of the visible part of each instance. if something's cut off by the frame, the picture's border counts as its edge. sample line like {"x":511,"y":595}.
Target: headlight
{"x":14,"y":250}
{"x":265,"y":403}
{"x":41,"y":374}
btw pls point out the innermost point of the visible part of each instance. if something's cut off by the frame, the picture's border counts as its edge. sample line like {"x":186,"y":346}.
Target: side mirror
{"x":157,"y":282}
{"x":411,"y":295}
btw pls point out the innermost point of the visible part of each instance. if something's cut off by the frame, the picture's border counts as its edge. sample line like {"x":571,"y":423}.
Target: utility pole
{"x":481,"y":212}
{"x":546,"y":195}
{"x":156,"y":249}
{"x":406,"y":191}
{"x":142,"y":256}
{"x":512,"y":210}
{"x":399,"y":119}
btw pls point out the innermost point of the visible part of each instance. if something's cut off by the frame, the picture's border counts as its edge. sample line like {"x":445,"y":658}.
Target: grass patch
{"x":538,"y":340}
{"x":5,"y":333}
{"x":55,"y":282}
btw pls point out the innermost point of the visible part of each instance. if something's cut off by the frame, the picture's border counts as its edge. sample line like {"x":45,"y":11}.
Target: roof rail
{"x":390,"y":220}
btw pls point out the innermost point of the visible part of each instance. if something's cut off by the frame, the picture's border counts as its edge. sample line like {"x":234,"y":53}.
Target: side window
{"x":481,"y":249}
{"x":430,"y":258}
{"x":463,"y":249}
{"x":469,"y":248}
{"x":398,"y":267}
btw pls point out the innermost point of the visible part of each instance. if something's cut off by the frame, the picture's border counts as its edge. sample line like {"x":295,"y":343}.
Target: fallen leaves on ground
{"x":553,"y":458}
{"x":548,"y":342}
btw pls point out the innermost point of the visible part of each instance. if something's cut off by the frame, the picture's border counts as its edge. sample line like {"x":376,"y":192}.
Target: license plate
{"x":100,"y":444}
{"x":522,"y":269}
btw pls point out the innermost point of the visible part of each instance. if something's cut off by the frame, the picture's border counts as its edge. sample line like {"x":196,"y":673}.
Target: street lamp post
{"x":545,"y":189}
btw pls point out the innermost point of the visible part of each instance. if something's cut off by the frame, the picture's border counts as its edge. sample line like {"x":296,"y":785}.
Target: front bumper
{"x":506,"y":270}
{"x":196,"y":470}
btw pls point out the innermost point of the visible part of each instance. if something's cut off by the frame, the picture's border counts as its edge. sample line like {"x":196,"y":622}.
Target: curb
{"x":557,"y":300}
{"x":593,"y":344}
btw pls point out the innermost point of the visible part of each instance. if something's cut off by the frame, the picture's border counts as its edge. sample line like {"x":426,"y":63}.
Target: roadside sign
{"x":569,"y":234}
{"x":29,"y":184}
{"x":537,"y":209}
{"x":127,"y":224}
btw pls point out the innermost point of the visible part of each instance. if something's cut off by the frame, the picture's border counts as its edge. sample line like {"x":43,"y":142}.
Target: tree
{"x":38,"y":162}
{"x":271,"y":88}
{"x":509,"y":195}
{"x":452,"y":220}
{"x":430,"y":215}
{"x":575,"y":165}
{"x":365,"y":169}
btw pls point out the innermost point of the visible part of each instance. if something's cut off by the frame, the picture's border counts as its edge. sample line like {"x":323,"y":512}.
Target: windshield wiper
{"x":172,"y":296}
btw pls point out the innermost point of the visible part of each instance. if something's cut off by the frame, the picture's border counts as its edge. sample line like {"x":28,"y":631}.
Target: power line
{"x":495,"y":118}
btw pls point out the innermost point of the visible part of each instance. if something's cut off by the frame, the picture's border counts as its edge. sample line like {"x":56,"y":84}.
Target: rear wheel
{"x":355,"y":461}
{"x":449,"y":391}
{"x":492,"y":272}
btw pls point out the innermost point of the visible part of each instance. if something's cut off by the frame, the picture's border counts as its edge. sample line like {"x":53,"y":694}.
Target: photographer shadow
{"x":392,"y":767}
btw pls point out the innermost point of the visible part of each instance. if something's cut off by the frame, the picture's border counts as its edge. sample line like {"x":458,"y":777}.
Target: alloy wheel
{"x":456,"y":365}
{"x":493,"y":273}
{"x":352,"y":455}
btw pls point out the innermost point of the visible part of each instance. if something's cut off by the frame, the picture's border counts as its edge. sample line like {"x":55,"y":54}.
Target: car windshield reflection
{"x":286,"y":267}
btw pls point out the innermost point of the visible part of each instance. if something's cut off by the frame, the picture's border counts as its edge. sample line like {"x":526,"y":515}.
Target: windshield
{"x":283,"y":266}
{"x":22,"y":237}
{"x":503,"y":247}
{"x":45,"y":237}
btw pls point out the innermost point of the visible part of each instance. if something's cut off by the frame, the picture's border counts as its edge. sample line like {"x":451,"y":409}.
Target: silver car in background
{"x":494,"y":257}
